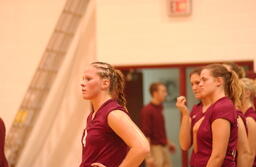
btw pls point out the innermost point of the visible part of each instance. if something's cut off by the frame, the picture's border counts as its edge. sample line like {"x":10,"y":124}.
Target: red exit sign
{"x":180,"y":7}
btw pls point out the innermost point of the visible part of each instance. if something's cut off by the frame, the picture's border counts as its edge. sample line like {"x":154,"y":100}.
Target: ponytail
{"x":233,"y":89}
{"x":240,"y":72}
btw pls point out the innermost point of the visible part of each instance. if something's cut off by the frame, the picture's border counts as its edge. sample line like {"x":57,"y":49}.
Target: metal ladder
{"x":43,"y":78}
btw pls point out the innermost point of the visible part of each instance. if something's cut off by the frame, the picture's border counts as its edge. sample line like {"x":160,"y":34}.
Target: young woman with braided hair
{"x":110,"y":139}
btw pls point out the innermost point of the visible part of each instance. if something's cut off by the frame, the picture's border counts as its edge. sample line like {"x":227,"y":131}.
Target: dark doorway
{"x":134,"y":93}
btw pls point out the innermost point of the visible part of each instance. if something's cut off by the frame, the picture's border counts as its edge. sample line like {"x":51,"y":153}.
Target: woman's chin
{"x":198,"y":96}
{"x":85,"y":97}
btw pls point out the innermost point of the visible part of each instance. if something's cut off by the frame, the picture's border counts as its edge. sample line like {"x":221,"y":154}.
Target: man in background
{"x":153,"y":126}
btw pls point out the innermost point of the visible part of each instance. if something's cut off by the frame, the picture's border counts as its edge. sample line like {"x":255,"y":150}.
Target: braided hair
{"x":116,"y":78}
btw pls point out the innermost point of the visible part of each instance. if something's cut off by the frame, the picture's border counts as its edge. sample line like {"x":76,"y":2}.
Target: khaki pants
{"x":160,"y":157}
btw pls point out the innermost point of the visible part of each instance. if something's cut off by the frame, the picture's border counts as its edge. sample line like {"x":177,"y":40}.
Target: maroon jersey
{"x":254,"y":101}
{"x":3,"y":161}
{"x":102,"y":144}
{"x":196,"y":114}
{"x":153,"y":124}
{"x":251,"y":113}
{"x":221,"y":109}
{"x":242,"y":116}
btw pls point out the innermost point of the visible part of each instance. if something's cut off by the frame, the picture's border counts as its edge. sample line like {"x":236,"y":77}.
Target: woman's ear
{"x":219,"y":81}
{"x":105,"y":84}
{"x":247,"y":93}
